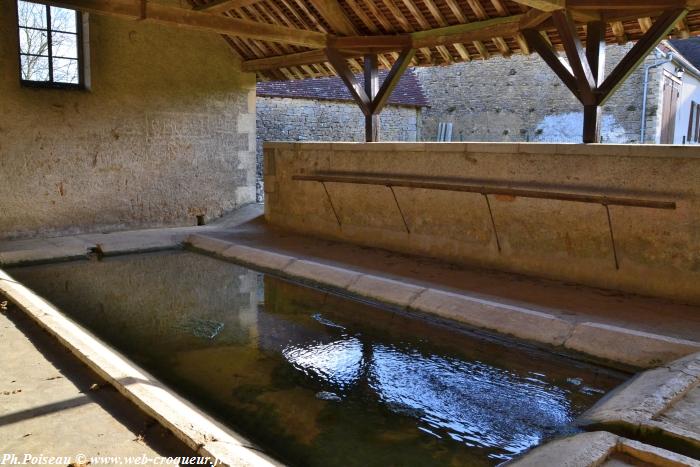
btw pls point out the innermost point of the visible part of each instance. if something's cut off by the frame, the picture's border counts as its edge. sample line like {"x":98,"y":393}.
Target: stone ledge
{"x":645,"y":407}
{"x":195,"y":429}
{"x":321,"y":274}
{"x":600,"y":448}
{"x":43,"y":255}
{"x":507,"y":319}
{"x":635,"y":348}
{"x":385,"y":290}
{"x":259,"y":258}
{"x":609,"y":343}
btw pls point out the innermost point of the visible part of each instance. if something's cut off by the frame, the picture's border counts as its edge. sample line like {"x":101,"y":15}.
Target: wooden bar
{"x":371,"y":87}
{"x":595,"y":55}
{"x":392,"y":79}
{"x":661,"y":27}
{"x":577,"y":58}
{"x":487,"y":190}
{"x":550,"y":57}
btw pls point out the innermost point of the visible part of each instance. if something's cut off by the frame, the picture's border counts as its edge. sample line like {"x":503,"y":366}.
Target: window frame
{"x":51,"y":84}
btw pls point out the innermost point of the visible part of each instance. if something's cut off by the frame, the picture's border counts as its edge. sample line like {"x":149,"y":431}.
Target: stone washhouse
{"x":150,"y":306}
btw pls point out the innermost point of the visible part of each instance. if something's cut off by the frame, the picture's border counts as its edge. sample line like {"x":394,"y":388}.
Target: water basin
{"x":317,"y":379}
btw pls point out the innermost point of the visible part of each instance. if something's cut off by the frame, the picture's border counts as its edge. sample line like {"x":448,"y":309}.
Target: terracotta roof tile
{"x":408,"y":92}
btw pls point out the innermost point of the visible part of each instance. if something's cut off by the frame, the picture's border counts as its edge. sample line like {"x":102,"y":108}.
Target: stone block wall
{"x":657,"y":250}
{"x":166,"y":133}
{"x":286,"y":119}
{"x":520,"y":99}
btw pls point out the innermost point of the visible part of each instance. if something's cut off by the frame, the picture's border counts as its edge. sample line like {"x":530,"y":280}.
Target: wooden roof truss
{"x":295,"y":39}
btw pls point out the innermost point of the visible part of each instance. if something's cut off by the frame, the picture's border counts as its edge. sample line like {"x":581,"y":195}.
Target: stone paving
{"x":53,"y":405}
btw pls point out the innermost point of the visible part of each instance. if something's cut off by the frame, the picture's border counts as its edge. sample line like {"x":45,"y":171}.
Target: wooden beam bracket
{"x":661,"y":27}
{"x":372,"y":98}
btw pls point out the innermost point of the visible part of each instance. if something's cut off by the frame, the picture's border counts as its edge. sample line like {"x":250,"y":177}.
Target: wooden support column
{"x":371,"y":98}
{"x":371,"y":89}
{"x":595,"y":55}
{"x":584,"y":74}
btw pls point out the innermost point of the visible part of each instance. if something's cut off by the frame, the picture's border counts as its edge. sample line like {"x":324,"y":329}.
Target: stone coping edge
{"x":636,"y":408}
{"x":596,"y":448}
{"x":558,"y":149}
{"x":612,"y":344}
{"x":199,"y":432}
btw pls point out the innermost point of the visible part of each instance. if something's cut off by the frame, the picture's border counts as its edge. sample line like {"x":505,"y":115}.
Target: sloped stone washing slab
{"x":659,"y":406}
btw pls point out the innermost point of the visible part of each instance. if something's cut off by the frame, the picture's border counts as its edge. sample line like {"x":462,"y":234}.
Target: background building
{"x":322,"y":110}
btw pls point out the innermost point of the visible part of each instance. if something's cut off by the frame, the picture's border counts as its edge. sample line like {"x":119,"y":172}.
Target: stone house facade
{"x":520,"y":99}
{"x":526,"y":101}
{"x":322,"y":110}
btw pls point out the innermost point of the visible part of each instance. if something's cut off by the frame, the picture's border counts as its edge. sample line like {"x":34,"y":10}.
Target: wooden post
{"x":371,"y":89}
{"x":595,"y":55}
{"x":585,"y":74}
{"x":591,"y":123}
{"x":370,"y":98}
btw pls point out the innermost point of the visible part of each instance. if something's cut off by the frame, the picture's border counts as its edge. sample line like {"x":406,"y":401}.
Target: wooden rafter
{"x":418,"y":16}
{"x":195,"y":20}
{"x":283,"y":37}
{"x":334,"y":15}
{"x":437,"y":15}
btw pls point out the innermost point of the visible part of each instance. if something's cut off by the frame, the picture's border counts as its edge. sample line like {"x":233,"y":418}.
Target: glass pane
{"x":35,"y":68}
{"x":64,"y":45}
{"x":63,"y":19}
{"x":31,"y":15}
{"x":65,"y":71}
{"x":33,"y":41}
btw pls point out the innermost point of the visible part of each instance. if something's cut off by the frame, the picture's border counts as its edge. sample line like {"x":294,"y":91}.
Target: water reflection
{"x":470,"y":402}
{"x":316,"y":379}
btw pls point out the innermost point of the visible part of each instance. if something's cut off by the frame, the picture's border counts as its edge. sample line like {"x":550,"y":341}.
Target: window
{"x":694,"y":123}
{"x":50,"y":46}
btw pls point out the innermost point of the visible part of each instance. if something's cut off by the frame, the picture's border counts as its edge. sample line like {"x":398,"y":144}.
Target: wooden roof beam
{"x":661,"y":27}
{"x":391,"y":80}
{"x":221,"y":6}
{"x":477,"y":31}
{"x":295,"y":59}
{"x":357,"y":91}
{"x":576,"y":55}
{"x":544,"y":49}
{"x":544,"y":5}
{"x":195,"y":20}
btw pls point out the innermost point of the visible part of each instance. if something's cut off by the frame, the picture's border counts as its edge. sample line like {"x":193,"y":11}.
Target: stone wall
{"x":166,"y":133}
{"x":521,"y":99}
{"x":657,"y":250}
{"x":286,"y":119}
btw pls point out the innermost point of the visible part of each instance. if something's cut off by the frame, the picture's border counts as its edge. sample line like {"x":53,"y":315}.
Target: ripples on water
{"x":319,"y":380}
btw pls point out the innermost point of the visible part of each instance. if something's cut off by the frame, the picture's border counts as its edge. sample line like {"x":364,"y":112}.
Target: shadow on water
{"x":316,"y":379}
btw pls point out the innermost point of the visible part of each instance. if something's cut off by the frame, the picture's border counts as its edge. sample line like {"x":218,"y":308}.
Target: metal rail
{"x":490,"y":190}
{"x":486,"y":190}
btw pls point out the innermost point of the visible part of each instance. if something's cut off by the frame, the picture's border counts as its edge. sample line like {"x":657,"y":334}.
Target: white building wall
{"x":690,"y":91}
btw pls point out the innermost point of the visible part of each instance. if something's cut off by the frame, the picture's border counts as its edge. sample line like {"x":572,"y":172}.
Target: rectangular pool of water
{"x":316,"y":379}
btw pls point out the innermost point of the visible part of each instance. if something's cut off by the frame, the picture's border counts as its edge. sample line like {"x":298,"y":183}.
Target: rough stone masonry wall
{"x":521,"y":99}
{"x":658,"y":250}
{"x":285,"y":119}
{"x":166,"y":133}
